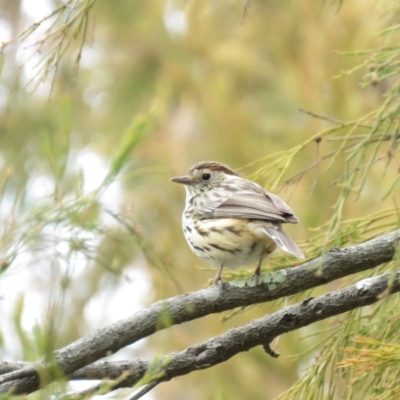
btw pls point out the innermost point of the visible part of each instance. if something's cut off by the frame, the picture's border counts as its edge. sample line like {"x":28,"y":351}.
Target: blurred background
{"x":161,"y":85}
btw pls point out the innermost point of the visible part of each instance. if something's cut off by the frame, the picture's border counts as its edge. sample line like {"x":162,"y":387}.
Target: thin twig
{"x":312,"y":166}
{"x":245,"y":10}
{"x":144,"y":390}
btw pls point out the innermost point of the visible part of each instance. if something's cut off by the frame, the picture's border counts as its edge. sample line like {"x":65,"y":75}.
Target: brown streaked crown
{"x":213,"y":166}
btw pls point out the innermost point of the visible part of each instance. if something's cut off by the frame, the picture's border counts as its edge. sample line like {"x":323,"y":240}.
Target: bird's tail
{"x":276,"y":233}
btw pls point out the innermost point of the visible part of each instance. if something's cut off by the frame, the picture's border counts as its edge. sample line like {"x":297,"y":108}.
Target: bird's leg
{"x":257,"y":272}
{"x":217,"y":279}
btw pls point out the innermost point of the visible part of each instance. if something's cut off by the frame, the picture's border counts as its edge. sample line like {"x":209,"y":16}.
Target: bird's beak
{"x":184,"y":180}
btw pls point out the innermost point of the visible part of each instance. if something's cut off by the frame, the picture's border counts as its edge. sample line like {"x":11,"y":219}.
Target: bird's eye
{"x":206,"y":177}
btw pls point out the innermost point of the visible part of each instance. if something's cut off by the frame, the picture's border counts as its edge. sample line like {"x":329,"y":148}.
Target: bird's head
{"x":203,"y":177}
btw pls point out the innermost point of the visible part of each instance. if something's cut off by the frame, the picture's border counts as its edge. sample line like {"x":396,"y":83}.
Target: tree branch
{"x":335,"y":264}
{"x":258,"y":332}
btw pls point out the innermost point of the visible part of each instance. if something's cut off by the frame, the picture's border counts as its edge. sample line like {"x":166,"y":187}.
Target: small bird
{"x":229,"y":221}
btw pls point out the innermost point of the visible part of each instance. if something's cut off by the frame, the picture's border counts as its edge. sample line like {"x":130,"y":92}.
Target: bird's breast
{"x":226,"y":241}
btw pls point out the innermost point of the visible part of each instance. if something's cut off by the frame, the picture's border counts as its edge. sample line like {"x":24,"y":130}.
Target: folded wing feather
{"x":266,"y":210}
{"x":255,"y":206}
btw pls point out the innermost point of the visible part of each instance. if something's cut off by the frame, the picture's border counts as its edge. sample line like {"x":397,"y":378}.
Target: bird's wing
{"x":265,"y":206}
{"x":252,"y":202}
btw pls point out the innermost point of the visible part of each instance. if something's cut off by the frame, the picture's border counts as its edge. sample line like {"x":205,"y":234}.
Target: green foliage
{"x":132,"y":138}
{"x":69,"y":26}
{"x":228,"y":87}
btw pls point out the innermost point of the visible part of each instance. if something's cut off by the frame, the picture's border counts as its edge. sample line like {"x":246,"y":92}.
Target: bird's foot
{"x":218,"y":282}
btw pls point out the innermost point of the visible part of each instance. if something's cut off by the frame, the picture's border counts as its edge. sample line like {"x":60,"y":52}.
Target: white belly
{"x":225,"y":242}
